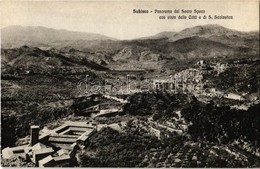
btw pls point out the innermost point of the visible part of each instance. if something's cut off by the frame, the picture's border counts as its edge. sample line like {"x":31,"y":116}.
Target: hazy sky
{"x":116,"y":19}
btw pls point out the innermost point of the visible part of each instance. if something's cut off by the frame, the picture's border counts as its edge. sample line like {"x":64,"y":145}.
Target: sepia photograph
{"x":130,"y":84}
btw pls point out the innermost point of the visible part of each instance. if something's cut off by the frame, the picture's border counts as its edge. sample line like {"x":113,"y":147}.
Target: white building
{"x":233,"y":96}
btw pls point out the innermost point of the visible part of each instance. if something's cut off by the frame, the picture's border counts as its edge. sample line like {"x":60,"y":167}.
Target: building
{"x":54,"y":148}
{"x":233,"y":96}
{"x":220,"y":67}
{"x":163,"y":85}
{"x":201,"y":63}
{"x":47,"y":162}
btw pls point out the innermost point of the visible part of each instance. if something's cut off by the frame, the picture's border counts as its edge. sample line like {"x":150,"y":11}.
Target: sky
{"x":116,"y":18}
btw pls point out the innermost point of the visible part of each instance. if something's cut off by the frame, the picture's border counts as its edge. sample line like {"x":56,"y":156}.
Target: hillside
{"x":29,"y":57}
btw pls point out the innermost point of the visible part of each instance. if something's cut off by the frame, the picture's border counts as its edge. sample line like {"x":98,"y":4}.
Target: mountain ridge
{"x":204,"y":41}
{"x":39,"y":35}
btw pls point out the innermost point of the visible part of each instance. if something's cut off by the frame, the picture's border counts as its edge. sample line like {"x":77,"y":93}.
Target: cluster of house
{"x":186,"y":80}
{"x":213,"y":92}
{"x":191,"y":81}
{"x":217,"y":67}
{"x":54,"y":148}
{"x":103,"y":109}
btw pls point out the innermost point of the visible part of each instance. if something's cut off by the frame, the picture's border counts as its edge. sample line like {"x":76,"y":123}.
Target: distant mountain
{"x":154,"y":54}
{"x":163,"y":50}
{"x":199,"y":42}
{"x":15,"y":36}
{"x":159,"y":35}
{"x":220,"y":34}
{"x":204,"y":31}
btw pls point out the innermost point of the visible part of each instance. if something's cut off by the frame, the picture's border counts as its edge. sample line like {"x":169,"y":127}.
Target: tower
{"x":34,"y":135}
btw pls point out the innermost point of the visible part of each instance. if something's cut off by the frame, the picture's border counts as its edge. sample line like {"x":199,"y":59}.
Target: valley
{"x":176,"y":99}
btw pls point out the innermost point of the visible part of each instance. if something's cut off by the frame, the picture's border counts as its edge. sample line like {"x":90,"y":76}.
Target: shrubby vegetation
{"x":222,"y":124}
{"x":17,"y":124}
{"x":154,"y":102}
{"x":113,"y":149}
{"x":238,"y":78}
{"x":16,"y":162}
{"x":135,"y":147}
